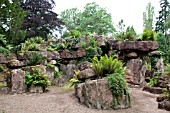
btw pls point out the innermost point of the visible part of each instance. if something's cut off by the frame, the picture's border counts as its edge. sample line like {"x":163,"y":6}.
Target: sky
{"x":131,"y":11}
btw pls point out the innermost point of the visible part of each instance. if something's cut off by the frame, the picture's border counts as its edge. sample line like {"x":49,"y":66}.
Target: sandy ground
{"x":56,"y":101}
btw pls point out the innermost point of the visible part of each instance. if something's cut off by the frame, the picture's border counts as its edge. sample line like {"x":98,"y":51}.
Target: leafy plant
{"x":35,"y":58}
{"x":56,"y":47}
{"x":2,"y":85}
{"x":75,"y":80}
{"x":72,"y":34}
{"x":90,"y":51}
{"x":118,"y":86}
{"x":148,"y":35}
{"x":4,"y":51}
{"x":166,"y":93}
{"x":57,"y":74}
{"x":51,"y":66}
{"x":83,"y":44}
{"x":107,"y":65}
{"x":37,"y":79}
{"x":1,"y":67}
{"x":154,"y":80}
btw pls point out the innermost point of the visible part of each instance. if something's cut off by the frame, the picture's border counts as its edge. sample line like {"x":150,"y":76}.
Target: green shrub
{"x":75,"y":80}
{"x":148,"y":35}
{"x":2,"y":85}
{"x":4,"y":51}
{"x":154,"y":80}
{"x":51,"y":66}
{"x":72,"y":34}
{"x":118,"y":86}
{"x":1,"y":68}
{"x":37,"y":79}
{"x":35,"y":58}
{"x":90,"y":51}
{"x":83,"y":44}
{"x":107,"y":65}
{"x":56,"y":47}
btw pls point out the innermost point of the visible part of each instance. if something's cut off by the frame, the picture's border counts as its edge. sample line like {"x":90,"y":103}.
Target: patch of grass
{"x":66,"y":88}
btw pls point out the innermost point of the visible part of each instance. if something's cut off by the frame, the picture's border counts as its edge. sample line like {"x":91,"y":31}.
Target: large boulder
{"x":138,"y":71}
{"x":96,"y":94}
{"x":86,"y":74}
{"x":18,"y":81}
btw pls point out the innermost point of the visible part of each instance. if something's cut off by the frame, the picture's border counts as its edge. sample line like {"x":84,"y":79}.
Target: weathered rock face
{"x":3,"y":59}
{"x":18,"y":81}
{"x":17,"y":63}
{"x":83,"y":66}
{"x":163,"y":81}
{"x":86,"y":74}
{"x":96,"y":94}
{"x":143,"y":46}
{"x":68,"y":71}
{"x":36,"y":89}
{"x":53,"y":55}
{"x":138,"y":71}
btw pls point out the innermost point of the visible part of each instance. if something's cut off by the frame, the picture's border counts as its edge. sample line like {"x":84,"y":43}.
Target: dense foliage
{"x":11,"y":19}
{"x":93,"y":19}
{"x":41,"y":19}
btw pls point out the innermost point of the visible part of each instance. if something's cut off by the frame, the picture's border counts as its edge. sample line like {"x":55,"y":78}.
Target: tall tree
{"x":41,"y":20}
{"x":71,"y":18}
{"x":11,"y":18}
{"x":93,"y":19}
{"x":163,"y":14}
{"x":148,"y":16}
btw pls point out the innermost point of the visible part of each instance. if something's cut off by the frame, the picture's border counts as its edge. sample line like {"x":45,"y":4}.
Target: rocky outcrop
{"x":144,"y":46}
{"x":96,"y":94}
{"x":86,"y":74}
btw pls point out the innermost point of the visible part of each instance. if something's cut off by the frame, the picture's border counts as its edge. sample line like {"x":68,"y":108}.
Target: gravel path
{"x":56,"y":101}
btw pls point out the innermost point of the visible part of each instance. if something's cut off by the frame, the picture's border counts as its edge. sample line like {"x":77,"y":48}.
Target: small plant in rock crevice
{"x":75,"y":80}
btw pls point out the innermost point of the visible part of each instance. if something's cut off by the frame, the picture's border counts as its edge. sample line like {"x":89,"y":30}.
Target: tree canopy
{"x":11,"y":18}
{"x":93,"y":19}
{"x":41,"y":20}
{"x":148,"y":16}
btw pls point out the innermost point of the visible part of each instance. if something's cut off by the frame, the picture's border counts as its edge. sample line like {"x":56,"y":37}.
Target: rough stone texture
{"x":60,"y":81}
{"x":154,"y":90}
{"x":18,"y":81}
{"x":168,"y":87}
{"x":3,"y":59}
{"x":53,"y":55}
{"x":144,"y":46}
{"x":73,"y":54}
{"x":30,"y":69}
{"x":83,"y":66}
{"x":167,"y":105}
{"x":96,"y":94}
{"x":132,"y":55}
{"x":4,"y":90}
{"x":17,"y":63}
{"x":22,"y":56}
{"x":101,"y":41}
{"x":163,"y":81}
{"x":50,"y":73}
{"x":138,"y":71}
{"x":81,"y":52}
{"x":65,"y":54}
{"x":164,"y":105}
{"x":36,"y":89}
{"x":68,"y":71}
{"x":86,"y":74}
{"x":160,"y":98}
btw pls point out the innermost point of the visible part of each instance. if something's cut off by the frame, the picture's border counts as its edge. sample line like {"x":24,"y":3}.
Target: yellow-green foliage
{"x":75,"y":80}
{"x":72,"y":34}
{"x":107,"y":65}
{"x":148,"y":35}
